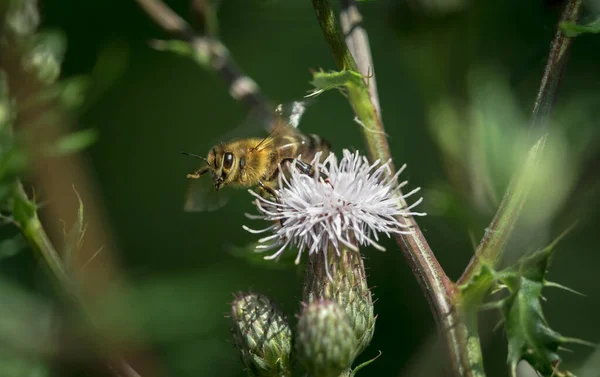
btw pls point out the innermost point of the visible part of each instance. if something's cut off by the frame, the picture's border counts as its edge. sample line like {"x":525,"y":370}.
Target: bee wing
{"x":201,"y":196}
{"x":292,"y":112}
{"x":257,"y":122}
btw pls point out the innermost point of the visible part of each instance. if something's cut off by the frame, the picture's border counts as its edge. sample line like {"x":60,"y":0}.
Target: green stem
{"x":24,"y":212}
{"x":490,"y":248}
{"x":436,"y":286}
{"x":498,"y":232}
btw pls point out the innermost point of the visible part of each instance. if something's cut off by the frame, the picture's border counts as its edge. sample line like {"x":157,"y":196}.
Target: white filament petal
{"x":359,"y":200}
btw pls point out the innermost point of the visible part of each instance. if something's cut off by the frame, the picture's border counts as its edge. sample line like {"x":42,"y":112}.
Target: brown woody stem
{"x":436,"y":286}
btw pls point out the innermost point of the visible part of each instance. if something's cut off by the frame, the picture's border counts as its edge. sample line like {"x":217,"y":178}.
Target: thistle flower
{"x":359,"y":201}
{"x":262,"y":335}
{"x":325,"y":343}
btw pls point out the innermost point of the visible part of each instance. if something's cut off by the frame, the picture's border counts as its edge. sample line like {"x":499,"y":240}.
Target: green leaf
{"x":530,"y":337}
{"x":323,"y":81}
{"x":474,"y":291}
{"x":12,"y":246}
{"x":572,"y":29}
{"x":73,"y":142}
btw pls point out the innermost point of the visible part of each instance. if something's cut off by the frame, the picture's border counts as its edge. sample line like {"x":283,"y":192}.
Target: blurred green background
{"x":457,"y":81}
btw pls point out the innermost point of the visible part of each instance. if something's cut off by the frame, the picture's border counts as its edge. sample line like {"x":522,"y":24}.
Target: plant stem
{"x":436,"y":286}
{"x":25,"y":216}
{"x":555,"y":66}
{"x":498,"y":232}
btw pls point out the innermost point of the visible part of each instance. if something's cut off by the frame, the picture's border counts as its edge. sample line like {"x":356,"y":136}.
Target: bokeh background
{"x":457,"y":81}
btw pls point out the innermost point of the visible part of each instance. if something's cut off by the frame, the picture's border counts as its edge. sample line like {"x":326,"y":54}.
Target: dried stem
{"x":498,"y":232}
{"x":436,"y":286}
{"x":208,"y":51}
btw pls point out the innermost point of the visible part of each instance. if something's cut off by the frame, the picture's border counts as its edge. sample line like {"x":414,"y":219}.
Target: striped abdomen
{"x":306,"y":146}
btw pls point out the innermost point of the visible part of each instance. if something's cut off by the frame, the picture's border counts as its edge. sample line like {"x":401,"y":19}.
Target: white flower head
{"x":357,"y":201}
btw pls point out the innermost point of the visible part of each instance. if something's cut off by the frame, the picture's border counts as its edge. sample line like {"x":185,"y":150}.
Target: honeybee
{"x":255,"y":161}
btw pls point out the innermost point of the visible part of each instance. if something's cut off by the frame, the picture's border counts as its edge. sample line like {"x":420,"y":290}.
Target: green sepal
{"x":325,"y":341}
{"x":571,"y":29}
{"x":343,"y":280}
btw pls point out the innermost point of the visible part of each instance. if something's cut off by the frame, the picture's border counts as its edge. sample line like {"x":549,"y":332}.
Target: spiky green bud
{"x":343,"y":279}
{"x":325,"y":342}
{"x":262,"y":335}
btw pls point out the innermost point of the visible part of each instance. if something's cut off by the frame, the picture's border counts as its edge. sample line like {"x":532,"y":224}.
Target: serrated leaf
{"x":73,"y":142}
{"x":572,"y":29}
{"x":529,"y":336}
{"x":12,"y":246}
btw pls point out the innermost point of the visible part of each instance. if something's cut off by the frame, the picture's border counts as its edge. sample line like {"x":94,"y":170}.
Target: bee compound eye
{"x":228,"y":160}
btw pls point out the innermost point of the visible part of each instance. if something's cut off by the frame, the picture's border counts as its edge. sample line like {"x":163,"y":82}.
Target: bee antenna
{"x":195,"y":155}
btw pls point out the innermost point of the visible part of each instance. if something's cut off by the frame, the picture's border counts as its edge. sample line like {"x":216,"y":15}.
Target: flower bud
{"x":325,"y":341}
{"x":342,"y":279}
{"x":262,"y":335}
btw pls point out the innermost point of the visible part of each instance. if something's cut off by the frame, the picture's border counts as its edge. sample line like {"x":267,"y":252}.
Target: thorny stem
{"x":436,"y":286}
{"x":498,"y":232}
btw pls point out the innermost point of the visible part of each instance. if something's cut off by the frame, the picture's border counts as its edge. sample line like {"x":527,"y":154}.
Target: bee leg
{"x":269,"y":190}
{"x":308,"y":169}
{"x":198,"y":173}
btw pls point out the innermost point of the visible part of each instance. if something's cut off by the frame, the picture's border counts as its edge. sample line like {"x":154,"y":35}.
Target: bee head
{"x":221,"y":162}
